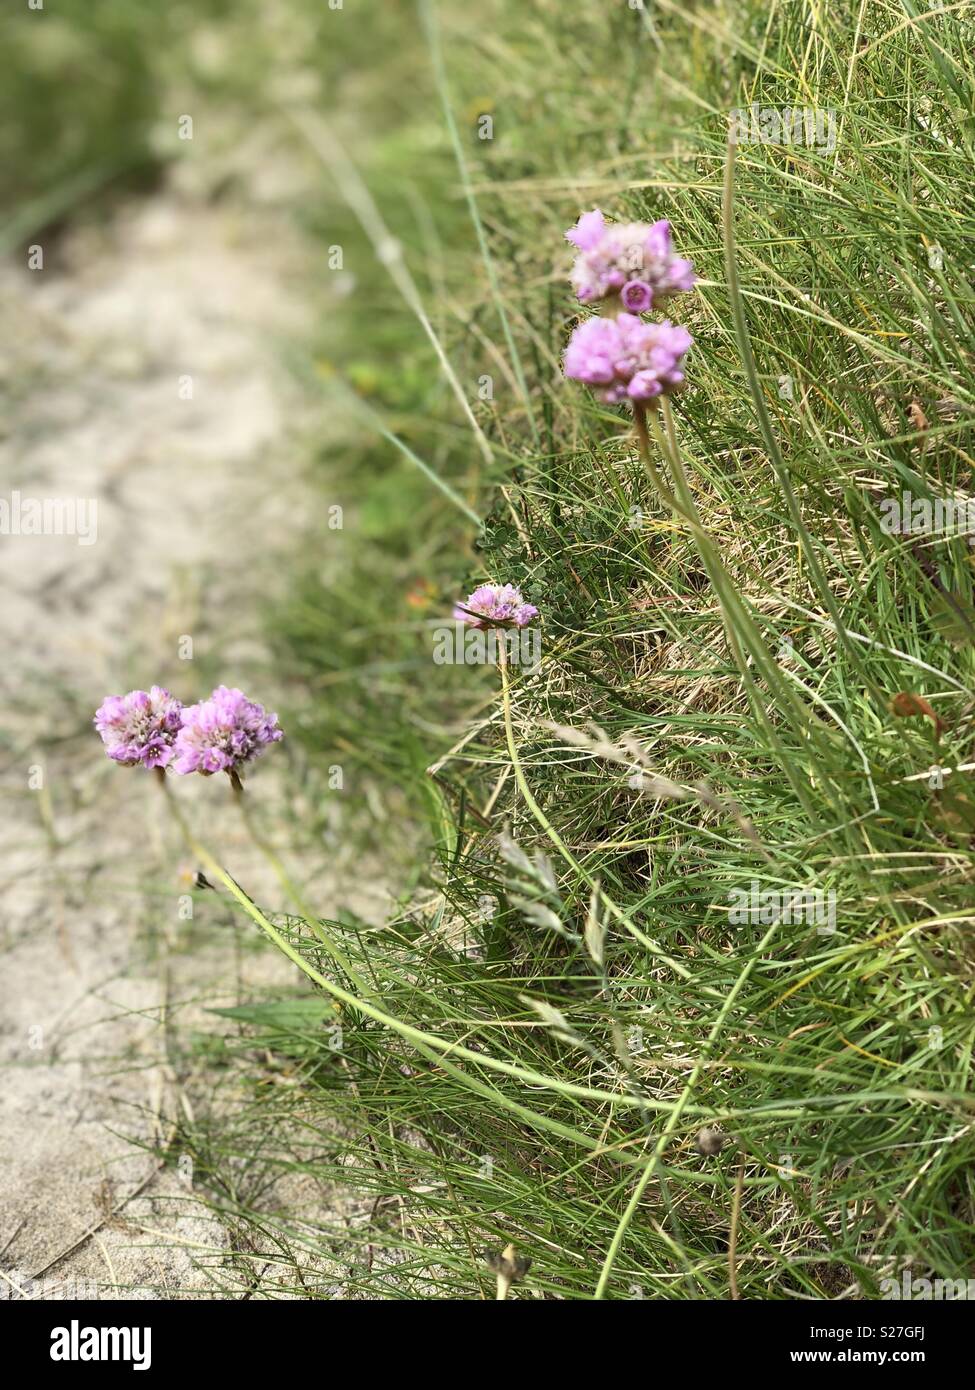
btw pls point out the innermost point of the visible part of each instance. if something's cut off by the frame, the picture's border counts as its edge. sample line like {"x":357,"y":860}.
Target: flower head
{"x":625,"y":358}
{"x":140,"y":727}
{"x":495,"y":605}
{"x":223,"y":733}
{"x":614,"y":259}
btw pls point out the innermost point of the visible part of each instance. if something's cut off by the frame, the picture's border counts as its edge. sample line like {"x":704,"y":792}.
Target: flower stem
{"x":445,"y":1053}
{"x":269,"y":852}
{"x":646,"y":457}
{"x":738,"y":621}
{"x":310,"y":918}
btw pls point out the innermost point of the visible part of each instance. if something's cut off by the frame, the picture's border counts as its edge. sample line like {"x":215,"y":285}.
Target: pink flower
{"x":613,"y":258}
{"x":495,"y":605}
{"x":626,"y":358}
{"x":223,"y":733}
{"x":139,"y":727}
{"x":588,"y":231}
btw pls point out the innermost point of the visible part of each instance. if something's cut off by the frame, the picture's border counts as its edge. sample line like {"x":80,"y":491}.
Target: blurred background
{"x":197,"y":337}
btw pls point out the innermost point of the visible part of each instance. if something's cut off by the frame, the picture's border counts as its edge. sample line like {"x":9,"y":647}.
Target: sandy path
{"x":94,"y":952}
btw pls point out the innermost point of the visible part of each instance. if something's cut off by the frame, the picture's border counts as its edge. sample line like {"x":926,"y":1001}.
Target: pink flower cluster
{"x":625,"y":358}
{"x":495,"y":605}
{"x":153,"y":729}
{"x":223,"y":733}
{"x":632,"y":268}
{"x":632,"y":260}
{"x":140,"y":727}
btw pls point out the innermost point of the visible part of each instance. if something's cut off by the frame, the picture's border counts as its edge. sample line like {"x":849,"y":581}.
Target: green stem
{"x":734,"y":612}
{"x":271,"y":855}
{"x":431,"y":1046}
{"x":309,"y":917}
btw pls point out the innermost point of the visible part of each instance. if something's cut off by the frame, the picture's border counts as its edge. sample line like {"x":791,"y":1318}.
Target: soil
{"x":141,"y":370}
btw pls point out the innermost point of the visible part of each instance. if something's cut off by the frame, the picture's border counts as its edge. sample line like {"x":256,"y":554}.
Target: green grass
{"x":555,"y":1093}
{"x":531,"y":1046}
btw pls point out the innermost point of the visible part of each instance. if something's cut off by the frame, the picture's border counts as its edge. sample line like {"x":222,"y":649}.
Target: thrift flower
{"x":223,"y":733}
{"x":496,"y":605}
{"x":634,"y":260}
{"x":140,"y":727}
{"x":625,"y":358}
